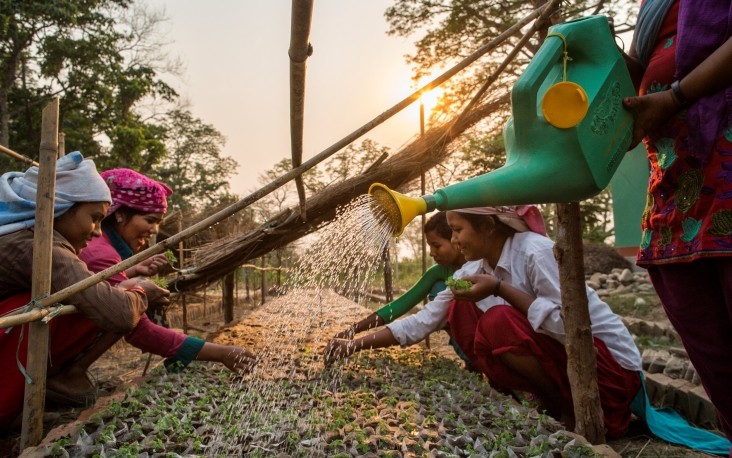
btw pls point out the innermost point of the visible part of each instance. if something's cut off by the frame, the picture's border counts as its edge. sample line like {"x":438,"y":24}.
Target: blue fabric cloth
{"x":77,"y":180}
{"x":668,"y":425}
{"x":650,"y":19}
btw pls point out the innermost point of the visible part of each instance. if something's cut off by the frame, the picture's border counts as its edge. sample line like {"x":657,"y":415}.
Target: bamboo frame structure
{"x":37,"y":354}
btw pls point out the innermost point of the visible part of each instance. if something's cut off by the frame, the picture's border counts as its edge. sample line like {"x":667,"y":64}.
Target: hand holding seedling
{"x":458,"y":284}
{"x":156,"y":296}
{"x":481,"y":286}
{"x":151,"y":265}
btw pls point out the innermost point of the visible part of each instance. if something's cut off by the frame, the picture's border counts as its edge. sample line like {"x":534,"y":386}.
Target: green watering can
{"x":567,"y":135}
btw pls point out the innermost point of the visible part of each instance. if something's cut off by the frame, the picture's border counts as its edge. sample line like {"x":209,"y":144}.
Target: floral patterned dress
{"x":688,"y":212}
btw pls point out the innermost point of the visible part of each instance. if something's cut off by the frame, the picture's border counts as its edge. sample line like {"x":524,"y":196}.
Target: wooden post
{"x":34,"y":399}
{"x":181,"y":254}
{"x":236,"y":287}
{"x":61,"y":144}
{"x":388,"y":287}
{"x":581,"y":360}
{"x":247,"y":282}
{"x":264,"y":282}
{"x":227,"y":297}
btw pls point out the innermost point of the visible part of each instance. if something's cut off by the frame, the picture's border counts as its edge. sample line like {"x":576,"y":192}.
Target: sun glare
{"x":430,"y":98}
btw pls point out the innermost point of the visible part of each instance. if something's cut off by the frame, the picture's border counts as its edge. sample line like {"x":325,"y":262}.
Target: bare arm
{"x":340,"y":348}
{"x":370,"y":322}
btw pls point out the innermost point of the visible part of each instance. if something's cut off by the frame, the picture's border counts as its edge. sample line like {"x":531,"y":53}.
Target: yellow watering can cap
{"x":564,"y":105}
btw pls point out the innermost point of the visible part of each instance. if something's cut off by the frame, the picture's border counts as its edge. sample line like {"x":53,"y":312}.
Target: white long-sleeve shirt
{"x":527,"y":262}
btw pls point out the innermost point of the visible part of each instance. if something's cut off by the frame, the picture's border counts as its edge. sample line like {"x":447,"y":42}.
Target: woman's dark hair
{"x":438,"y":224}
{"x":481,"y":222}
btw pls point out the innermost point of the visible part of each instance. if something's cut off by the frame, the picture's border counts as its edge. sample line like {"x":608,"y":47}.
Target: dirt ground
{"x":124,"y":366}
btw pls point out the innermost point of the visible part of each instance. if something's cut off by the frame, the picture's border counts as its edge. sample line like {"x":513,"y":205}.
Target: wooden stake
{"x":181,"y":254}
{"x":37,"y":339}
{"x":300,"y":50}
{"x":581,"y":360}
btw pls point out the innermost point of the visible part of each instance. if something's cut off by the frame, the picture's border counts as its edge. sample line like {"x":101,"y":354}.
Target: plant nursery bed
{"x":396,"y":402}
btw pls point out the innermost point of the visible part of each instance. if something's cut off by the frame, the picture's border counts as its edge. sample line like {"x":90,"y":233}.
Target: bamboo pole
{"x":300,"y":50}
{"x":18,"y":156}
{"x":181,"y":255}
{"x":36,"y":363}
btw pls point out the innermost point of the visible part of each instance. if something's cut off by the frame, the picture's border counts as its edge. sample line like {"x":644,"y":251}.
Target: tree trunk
{"x":388,"y":287}
{"x":581,"y":361}
{"x":227,"y":297}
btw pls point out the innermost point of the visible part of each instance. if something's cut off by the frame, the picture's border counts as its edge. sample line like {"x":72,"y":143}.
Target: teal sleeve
{"x":404,"y":303}
{"x":185,"y":354}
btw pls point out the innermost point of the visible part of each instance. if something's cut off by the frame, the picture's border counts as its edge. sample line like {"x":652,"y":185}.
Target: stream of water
{"x":344,"y":259}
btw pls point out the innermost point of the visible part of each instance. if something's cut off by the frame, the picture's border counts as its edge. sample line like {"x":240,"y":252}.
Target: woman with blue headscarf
{"x":81,"y":201}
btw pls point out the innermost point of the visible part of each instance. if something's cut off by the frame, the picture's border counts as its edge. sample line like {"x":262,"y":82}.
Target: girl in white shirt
{"x":517,"y":339}
{"x":509,"y":323}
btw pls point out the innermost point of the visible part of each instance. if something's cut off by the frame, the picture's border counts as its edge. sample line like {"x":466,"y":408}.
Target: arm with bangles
{"x":401,"y":305}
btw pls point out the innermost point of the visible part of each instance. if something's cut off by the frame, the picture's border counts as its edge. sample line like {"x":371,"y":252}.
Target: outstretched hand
{"x":156,"y":296}
{"x":151,"y":265}
{"x":651,"y":112}
{"x":347,"y":333}
{"x":484,"y":285}
{"x":337,"y":349}
{"x":239,"y":360}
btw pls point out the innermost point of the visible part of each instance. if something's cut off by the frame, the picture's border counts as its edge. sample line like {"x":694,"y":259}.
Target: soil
{"x":124,"y":367}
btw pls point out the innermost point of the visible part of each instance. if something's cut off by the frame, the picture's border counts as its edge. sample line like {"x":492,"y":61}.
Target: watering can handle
{"x":532,"y":78}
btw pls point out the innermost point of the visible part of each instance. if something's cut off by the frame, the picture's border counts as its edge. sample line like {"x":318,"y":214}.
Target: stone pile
{"x":620,"y":281}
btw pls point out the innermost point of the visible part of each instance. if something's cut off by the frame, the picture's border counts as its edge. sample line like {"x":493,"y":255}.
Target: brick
{"x":657,"y":386}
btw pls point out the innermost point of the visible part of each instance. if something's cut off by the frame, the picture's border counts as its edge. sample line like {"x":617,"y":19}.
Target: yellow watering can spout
{"x":397,"y":208}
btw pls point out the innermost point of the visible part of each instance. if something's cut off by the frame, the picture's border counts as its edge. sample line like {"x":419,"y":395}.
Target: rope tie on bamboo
{"x":33,"y":304}
{"x":565,"y":54}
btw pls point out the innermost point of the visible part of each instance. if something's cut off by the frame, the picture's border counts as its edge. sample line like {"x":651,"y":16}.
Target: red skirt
{"x":69,"y":335}
{"x":485,"y":336}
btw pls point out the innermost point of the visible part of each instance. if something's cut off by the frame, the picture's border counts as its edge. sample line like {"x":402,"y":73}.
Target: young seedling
{"x":171,"y":257}
{"x":458,"y":284}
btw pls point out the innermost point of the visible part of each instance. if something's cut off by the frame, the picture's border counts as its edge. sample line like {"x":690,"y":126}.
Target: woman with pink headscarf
{"x":138,"y":206}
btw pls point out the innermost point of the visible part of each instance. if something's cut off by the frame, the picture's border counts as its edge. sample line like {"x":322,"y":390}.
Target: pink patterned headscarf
{"x":521,"y":218}
{"x":135,"y":190}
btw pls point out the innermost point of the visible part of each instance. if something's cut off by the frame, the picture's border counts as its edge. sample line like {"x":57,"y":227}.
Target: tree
{"x":194,"y":167}
{"x":81,"y":51}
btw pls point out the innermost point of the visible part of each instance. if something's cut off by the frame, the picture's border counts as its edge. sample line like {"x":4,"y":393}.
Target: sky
{"x":236,"y":76}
